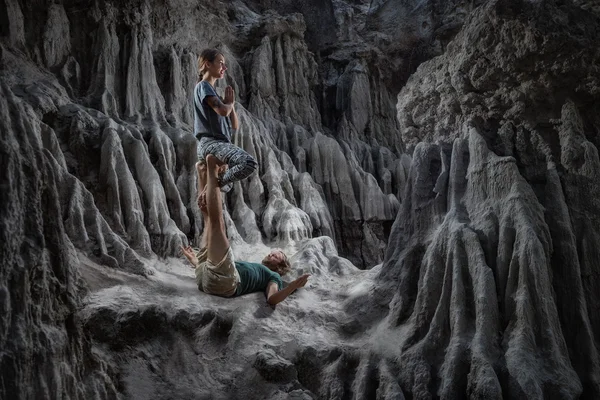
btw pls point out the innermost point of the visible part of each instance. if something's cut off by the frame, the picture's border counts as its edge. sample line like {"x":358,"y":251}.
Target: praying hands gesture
{"x":229,"y":99}
{"x":229,"y":96}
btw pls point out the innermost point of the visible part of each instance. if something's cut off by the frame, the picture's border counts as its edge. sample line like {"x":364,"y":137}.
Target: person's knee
{"x":250,"y":163}
{"x":212,"y":162}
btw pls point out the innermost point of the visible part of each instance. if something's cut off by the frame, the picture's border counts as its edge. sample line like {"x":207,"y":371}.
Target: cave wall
{"x":493,"y":255}
{"x":137,"y":64}
{"x":485,"y":163}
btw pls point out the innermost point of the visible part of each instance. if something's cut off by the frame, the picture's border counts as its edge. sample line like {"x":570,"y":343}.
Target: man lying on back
{"x":216,"y":271}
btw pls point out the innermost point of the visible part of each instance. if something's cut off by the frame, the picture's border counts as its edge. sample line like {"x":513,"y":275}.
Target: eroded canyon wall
{"x":486,"y":166}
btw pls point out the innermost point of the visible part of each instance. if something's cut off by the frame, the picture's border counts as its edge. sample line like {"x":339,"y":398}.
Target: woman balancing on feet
{"x":215,"y":121}
{"x":216,"y":270}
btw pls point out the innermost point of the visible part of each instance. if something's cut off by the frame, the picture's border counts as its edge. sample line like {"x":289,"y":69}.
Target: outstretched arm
{"x":274,"y":296}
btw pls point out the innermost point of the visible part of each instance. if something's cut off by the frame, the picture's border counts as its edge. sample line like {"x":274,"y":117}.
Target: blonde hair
{"x":281,"y":268}
{"x":207,"y":55}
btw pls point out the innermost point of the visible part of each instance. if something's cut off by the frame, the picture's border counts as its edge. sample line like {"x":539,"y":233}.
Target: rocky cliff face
{"x":485,"y":163}
{"x":518,"y":88}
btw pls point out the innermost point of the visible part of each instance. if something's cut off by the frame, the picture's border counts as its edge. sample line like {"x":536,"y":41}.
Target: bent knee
{"x":250,"y":163}
{"x":211,"y":160}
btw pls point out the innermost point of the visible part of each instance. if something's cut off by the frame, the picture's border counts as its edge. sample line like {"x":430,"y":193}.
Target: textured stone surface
{"x":487,"y":234}
{"x":172,"y":341}
{"x":487,"y":167}
{"x":45,"y":353}
{"x":518,"y":88}
{"x":273,"y":367}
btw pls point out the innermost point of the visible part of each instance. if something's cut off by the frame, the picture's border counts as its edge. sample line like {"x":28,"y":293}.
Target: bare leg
{"x":201,"y":168}
{"x":218,"y":244}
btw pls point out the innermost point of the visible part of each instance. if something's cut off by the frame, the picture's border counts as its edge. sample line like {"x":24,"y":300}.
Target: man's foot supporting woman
{"x":240,"y":164}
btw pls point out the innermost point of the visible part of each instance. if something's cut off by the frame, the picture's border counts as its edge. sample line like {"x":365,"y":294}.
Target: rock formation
{"x":520,"y":83}
{"x":449,"y":150}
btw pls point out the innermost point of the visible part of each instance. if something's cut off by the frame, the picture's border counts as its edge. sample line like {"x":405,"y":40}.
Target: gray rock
{"x":532,"y":125}
{"x":273,"y":367}
{"x":488,"y":284}
{"x":14,"y":26}
{"x":45,"y":352}
{"x":56,"y":48}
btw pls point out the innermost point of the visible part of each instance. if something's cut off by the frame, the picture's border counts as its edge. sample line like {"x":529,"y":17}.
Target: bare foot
{"x":202,"y":201}
{"x":222,"y":169}
{"x":201,"y":166}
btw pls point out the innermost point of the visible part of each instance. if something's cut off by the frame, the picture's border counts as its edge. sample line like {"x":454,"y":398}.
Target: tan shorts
{"x":221,"y":279}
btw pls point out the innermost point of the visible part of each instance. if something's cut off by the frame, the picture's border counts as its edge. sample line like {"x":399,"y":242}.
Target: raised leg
{"x":201,"y":168}
{"x":218,"y":244}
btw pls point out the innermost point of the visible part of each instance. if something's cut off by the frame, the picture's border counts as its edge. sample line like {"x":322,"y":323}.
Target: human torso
{"x":255,"y":277}
{"x":207,"y":123}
